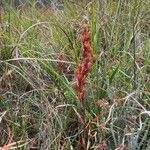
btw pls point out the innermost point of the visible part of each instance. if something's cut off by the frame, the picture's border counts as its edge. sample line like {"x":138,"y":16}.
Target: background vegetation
{"x":40,"y":50}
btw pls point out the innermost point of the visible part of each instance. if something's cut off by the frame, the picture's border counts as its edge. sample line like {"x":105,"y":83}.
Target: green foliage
{"x":40,"y":50}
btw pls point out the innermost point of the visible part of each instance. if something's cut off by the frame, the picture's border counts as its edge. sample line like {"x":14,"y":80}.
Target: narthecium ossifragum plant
{"x":81,"y":74}
{"x":85,"y":66}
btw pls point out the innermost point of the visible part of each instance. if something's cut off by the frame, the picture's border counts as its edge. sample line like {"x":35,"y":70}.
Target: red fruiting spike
{"x":83,"y":91}
{"x":79,"y":68}
{"x":87,"y":70}
{"x":87,"y":59}
{"x":87,"y":46}
{"x":80,"y":85}
{"x":76,"y":86}
{"x":94,"y":58}
{"x":87,"y":36}
{"x":76,"y":73}
{"x":89,"y":67}
{"x":82,"y":38}
{"x":91,"y":49}
{"x":80,"y":95}
{"x":79,"y":76}
{"x":84,"y":80}
{"x":85,"y":66}
{"x":86,"y":54}
{"x":85,"y":27}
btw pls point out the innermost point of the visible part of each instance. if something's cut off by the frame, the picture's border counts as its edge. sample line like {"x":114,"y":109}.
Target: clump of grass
{"x":42,"y":108}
